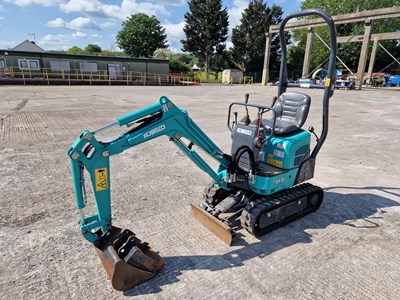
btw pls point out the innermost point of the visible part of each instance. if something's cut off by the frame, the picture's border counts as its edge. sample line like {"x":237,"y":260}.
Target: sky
{"x":61,"y":24}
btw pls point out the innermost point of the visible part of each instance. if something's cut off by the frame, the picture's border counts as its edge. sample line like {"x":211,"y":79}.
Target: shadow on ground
{"x":357,"y":210}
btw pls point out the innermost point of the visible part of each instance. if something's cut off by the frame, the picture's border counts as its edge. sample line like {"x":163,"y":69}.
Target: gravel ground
{"x":348,"y":249}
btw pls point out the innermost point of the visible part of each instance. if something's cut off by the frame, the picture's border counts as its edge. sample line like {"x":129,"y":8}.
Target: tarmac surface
{"x":348,"y":249}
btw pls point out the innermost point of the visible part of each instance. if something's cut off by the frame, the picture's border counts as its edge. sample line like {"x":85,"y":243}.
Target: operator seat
{"x":291,"y":110}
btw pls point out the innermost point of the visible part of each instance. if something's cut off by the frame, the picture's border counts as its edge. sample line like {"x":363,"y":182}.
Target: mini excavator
{"x":261,"y":182}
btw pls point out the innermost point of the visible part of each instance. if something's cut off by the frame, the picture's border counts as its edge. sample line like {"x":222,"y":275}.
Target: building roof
{"x":28,"y":46}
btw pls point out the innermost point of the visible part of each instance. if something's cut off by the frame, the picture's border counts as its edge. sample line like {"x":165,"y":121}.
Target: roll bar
{"x":330,"y":78}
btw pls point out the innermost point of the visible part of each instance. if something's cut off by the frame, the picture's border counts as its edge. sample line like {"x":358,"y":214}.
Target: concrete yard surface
{"x":348,"y":249}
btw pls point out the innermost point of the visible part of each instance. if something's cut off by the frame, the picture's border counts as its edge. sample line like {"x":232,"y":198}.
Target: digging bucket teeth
{"x":127,"y":260}
{"x":216,"y":226}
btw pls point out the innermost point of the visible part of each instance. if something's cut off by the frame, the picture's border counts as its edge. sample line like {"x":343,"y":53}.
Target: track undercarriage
{"x":258,"y":214}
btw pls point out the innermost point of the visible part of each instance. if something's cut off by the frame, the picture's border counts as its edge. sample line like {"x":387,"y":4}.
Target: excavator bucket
{"x":127,"y":260}
{"x":216,"y":226}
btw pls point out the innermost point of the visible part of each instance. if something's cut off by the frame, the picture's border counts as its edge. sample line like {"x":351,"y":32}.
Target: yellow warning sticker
{"x":274,"y":162}
{"x":327,"y":81}
{"x":101,"y":179}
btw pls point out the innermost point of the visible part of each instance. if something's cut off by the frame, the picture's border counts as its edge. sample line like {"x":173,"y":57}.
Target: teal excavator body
{"x":261,"y":180}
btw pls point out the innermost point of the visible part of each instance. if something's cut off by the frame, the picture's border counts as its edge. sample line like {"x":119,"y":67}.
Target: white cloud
{"x":170,"y":2}
{"x":235,"y":13}
{"x":83,"y":23}
{"x":131,"y":6}
{"x":25,"y":3}
{"x":1,"y":18}
{"x":58,"y":41}
{"x":95,"y":36}
{"x":56,"y":23}
{"x":61,"y":41}
{"x":107,"y":24}
{"x":79,"y":35}
{"x":79,"y":23}
{"x":98,"y":9}
{"x":7,"y":44}
{"x":174,"y":35}
{"x":93,"y":8}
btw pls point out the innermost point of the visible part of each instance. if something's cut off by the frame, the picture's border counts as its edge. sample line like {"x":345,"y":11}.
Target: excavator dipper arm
{"x":163,"y":118}
{"x":127,"y":260}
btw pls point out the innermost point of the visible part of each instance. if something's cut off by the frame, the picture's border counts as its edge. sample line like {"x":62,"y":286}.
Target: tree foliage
{"x":162,"y":53}
{"x":249,"y":37}
{"x":349,"y":6}
{"x":178,"y":62}
{"x":348,"y":52}
{"x":141,"y":35}
{"x":206,"y":30}
{"x":75,"y":50}
{"x":93,"y":49}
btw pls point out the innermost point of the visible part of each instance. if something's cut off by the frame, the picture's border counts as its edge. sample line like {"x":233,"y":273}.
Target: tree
{"x":349,"y":52}
{"x":178,"y":62}
{"x":93,"y":49}
{"x":249,"y":37}
{"x":206,"y":29}
{"x":141,"y":35}
{"x":162,"y":53}
{"x":75,"y":50}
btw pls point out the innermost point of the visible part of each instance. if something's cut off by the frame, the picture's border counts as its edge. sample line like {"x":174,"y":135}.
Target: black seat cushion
{"x":291,"y":111}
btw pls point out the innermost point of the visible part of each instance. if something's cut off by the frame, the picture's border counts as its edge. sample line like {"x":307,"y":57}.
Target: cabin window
{"x":2,"y":63}
{"x":34,"y":64}
{"x":88,"y":67}
{"x":28,"y":64}
{"x":60,"y":65}
{"x":115,"y":71}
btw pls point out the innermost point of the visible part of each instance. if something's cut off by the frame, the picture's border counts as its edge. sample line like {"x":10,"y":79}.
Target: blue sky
{"x":61,"y":24}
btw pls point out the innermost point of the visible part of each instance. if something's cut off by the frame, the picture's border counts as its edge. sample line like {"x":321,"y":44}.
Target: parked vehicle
{"x":392,"y":80}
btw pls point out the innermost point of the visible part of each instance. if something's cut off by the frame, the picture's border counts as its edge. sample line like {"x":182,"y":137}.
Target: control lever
{"x":311,"y":129}
{"x":274,"y":100}
{"x":246,"y":119}
{"x":235,"y":121}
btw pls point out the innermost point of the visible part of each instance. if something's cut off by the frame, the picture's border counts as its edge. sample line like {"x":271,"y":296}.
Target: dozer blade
{"x":127,"y":260}
{"x":220,"y":229}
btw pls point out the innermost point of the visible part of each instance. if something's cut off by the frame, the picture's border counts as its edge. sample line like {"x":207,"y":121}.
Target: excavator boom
{"x":126,"y":259}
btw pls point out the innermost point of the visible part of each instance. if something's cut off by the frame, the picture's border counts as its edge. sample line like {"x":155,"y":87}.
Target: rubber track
{"x":255,"y":209}
{"x":213,"y":195}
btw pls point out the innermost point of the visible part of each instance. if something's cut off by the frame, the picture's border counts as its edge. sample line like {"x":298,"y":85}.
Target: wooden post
{"x":265,"y":73}
{"x":372,"y":59}
{"x":307,"y":54}
{"x":47,"y":76}
{"x":364,"y":54}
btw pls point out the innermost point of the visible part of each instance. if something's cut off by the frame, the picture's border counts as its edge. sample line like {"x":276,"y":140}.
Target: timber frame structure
{"x":364,"y":16}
